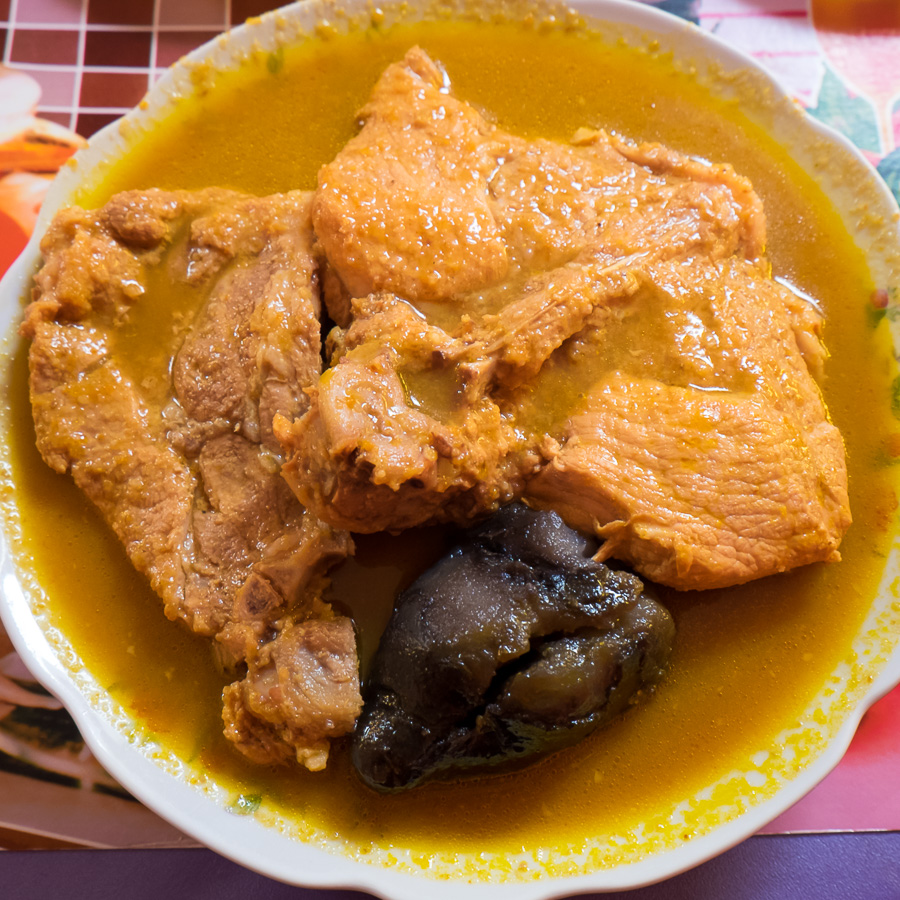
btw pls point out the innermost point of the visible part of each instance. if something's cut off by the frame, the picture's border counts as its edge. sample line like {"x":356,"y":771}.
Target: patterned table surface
{"x":89,"y":61}
{"x":95,"y":59}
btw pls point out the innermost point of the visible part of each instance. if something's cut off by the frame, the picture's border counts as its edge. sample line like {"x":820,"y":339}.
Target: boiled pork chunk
{"x":413,"y":422}
{"x":715,"y":462}
{"x":430,"y":201}
{"x":374,"y":452}
{"x":592,"y":326}
{"x":164,"y":420}
{"x":301,"y":689}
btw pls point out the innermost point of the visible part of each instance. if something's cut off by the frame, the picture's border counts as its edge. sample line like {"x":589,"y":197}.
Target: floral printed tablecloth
{"x":71,"y":66}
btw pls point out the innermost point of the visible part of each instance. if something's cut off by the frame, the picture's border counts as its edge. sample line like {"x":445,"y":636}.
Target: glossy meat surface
{"x":168,"y":328}
{"x":301,"y":690}
{"x":726,"y":470}
{"x":592,"y":326}
{"x":514,"y":644}
{"x":431,"y":201}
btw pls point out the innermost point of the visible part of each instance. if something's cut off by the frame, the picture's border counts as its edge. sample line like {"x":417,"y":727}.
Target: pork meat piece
{"x":533,"y":237}
{"x":403,"y":207}
{"x":711,"y":462}
{"x":301,"y":690}
{"x":555,"y":274}
{"x":168,"y":329}
{"x":430,"y":201}
{"x":393,"y":438}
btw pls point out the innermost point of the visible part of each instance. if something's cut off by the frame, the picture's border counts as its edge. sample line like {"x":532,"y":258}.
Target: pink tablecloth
{"x":88,"y":61}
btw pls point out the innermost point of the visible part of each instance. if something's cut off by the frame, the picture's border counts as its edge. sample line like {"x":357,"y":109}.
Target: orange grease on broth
{"x":747,"y":660}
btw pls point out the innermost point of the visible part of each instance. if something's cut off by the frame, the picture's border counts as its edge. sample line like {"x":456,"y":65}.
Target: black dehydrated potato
{"x":514,"y":644}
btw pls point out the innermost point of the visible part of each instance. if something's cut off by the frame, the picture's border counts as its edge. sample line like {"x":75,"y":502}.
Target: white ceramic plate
{"x":190,"y":799}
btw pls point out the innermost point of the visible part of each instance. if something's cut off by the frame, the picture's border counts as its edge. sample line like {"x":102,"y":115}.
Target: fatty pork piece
{"x":168,"y":328}
{"x":301,"y":690}
{"x":514,"y":644}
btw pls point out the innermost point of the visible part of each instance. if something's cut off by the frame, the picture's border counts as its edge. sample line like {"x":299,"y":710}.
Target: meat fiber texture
{"x":592,"y":326}
{"x":178,"y":453}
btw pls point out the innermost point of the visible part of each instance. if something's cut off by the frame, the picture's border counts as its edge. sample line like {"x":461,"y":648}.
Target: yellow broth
{"x":747,"y":660}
